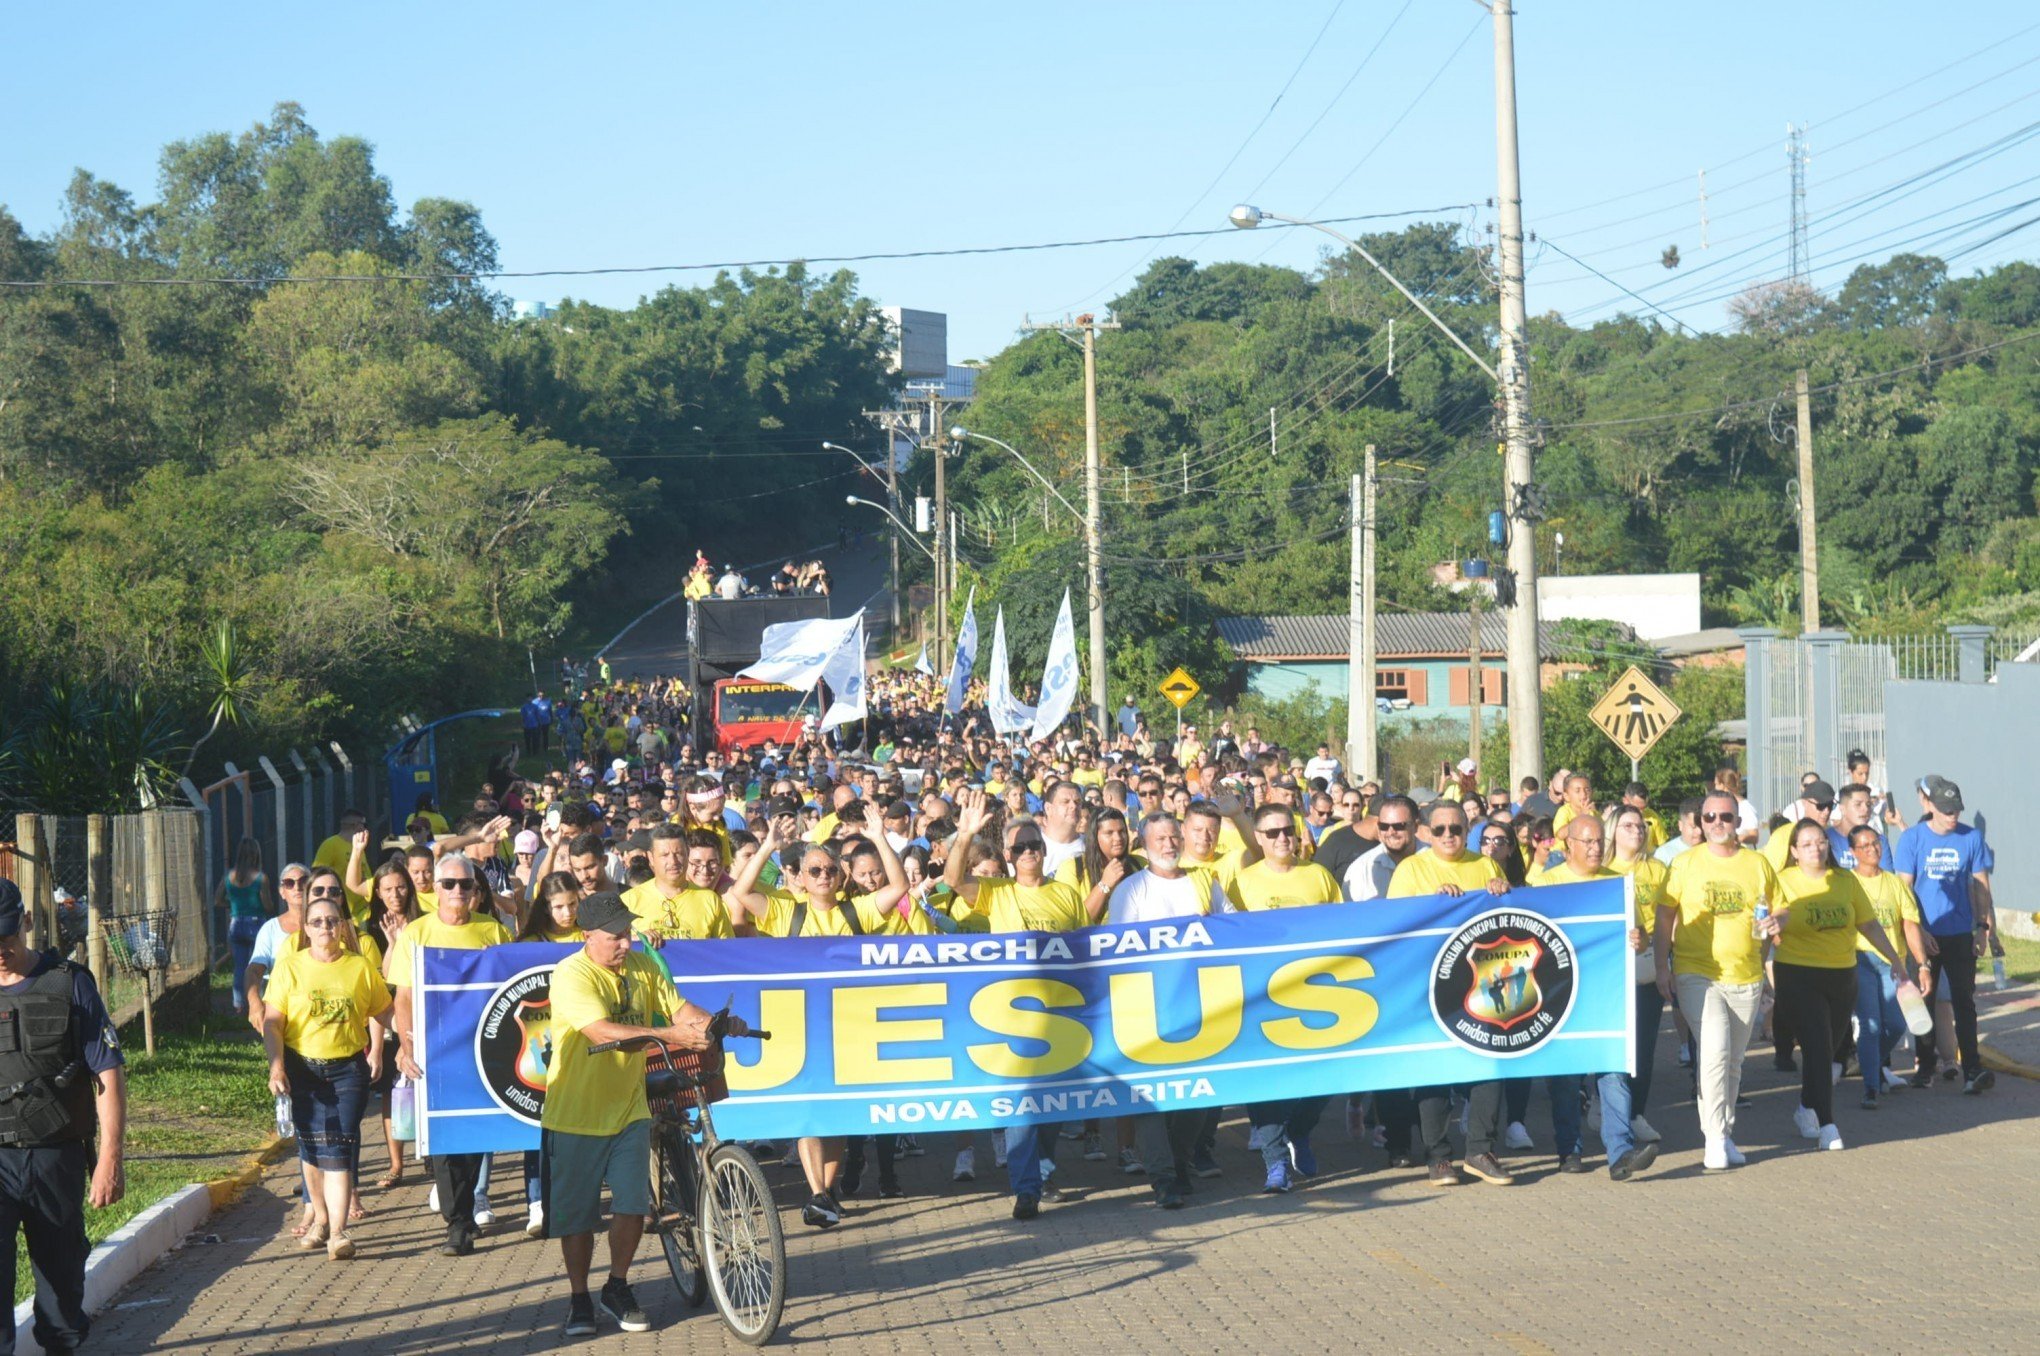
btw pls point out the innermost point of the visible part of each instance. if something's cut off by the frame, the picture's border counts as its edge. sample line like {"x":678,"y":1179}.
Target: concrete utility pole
{"x":894,"y":425}
{"x":1474,"y":650}
{"x":1361,"y":757}
{"x":1088,"y":326}
{"x":1526,"y":695}
{"x":943,"y":546}
{"x":1809,"y":557}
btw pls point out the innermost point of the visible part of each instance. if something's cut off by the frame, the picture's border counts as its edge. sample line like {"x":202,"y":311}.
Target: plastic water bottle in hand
{"x":285,"y":1129}
{"x":1758,"y":917}
{"x":1919,"y":1018}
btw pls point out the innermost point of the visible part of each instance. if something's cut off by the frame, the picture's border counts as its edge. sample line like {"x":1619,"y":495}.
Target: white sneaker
{"x":1835,"y":1076}
{"x":966,"y":1165}
{"x":484,"y":1216}
{"x":1830,"y":1137}
{"x":1891,"y":1082}
{"x":1642,"y":1131}
{"x":1047,"y":1170}
{"x":1130,"y":1164}
{"x":1736,"y":1157}
{"x":998,"y":1148}
{"x":432,"y":1199}
{"x":1807,"y":1123}
{"x":1516,"y":1136}
{"x":534,"y":1223}
{"x":1715,"y":1157}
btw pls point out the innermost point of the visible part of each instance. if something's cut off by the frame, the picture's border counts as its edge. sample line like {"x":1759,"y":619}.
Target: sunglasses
{"x":1393,"y":825}
{"x":1496,"y":841}
{"x":292,"y":883}
{"x":1448,"y":830}
{"x":1718,"y":818}
{"x":820,"y":872}
{"x":328,"y":892}
{"x":1021,"y":845}
{"x":1280,"y":831}
{"x":460,"y":883}
{"x":322,"y":923}
{"x":1822,"y":805}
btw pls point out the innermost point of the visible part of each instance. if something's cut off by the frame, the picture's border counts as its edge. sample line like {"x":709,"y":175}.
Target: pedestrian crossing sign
{"x":1635,"y":713}
{"x":1179,"y":687}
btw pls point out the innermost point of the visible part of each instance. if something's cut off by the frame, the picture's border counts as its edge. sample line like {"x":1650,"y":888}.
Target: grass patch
{"x":195,"y":1112}
{"x":2022,"y":961}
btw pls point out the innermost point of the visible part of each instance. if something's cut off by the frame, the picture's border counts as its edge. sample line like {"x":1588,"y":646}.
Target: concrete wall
{"x":1985,"y":737}
{"x":1654,"y":605}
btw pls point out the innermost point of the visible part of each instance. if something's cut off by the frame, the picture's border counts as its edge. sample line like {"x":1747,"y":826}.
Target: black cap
{"x":786,"y":804}
{"x":641,"y":841}
{"x":899,"y":809}
{"x":604,"y":911}
{"x":1941,"y":793}
{"x":10,"y":908}
{"x":1819,"y":792}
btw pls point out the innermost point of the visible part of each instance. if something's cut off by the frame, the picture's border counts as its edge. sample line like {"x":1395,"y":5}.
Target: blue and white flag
{"x":797,"y":653}
{"x":922,"y":665}
{"x":966,"y":655}
{"x":1059,"y":678}
{"x":1009,"y":714}
{"x":844,"y":673}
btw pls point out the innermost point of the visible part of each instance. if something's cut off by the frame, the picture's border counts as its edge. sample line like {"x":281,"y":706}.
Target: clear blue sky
{"x":598,"y":135}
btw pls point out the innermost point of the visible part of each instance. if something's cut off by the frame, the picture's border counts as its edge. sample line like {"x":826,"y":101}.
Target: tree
{"x":1903,"y":290}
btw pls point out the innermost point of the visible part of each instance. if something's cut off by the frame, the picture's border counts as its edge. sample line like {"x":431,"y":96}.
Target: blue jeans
{"x":327,"y":1098}
{"x":532,"y":1179}
{"x":1027,"y":1146}
{"x":1565,"y":1108}
{"x":241,"y":936}
{"x":1878,"y":1017}
{"x":1623,"y":1096}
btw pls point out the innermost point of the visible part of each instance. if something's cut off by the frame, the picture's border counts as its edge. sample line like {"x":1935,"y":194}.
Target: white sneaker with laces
{"x":1807,"y":1123}
{"x":534,"y":1224}
{"x":966,"y":1165}
{"x":1516,"y":1136}
{"x":1643,"y":1131}
{"x":484,"y":1215}
{"x":1830,"y":1137}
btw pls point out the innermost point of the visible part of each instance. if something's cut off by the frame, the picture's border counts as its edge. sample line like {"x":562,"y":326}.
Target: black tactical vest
{"x":44,"y":1096}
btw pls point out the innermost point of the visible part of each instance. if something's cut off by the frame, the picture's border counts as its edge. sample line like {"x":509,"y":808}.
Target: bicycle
{"x":714,"y":1215}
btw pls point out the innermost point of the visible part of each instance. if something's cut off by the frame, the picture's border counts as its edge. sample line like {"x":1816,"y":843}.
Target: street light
{"x":1525,"y":697}
{"x":1094,"y":570}
{"x":892,"y":499}
{"x":853,"y":499}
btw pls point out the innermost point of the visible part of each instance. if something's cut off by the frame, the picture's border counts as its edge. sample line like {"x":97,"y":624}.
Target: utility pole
{"x":892,"y":501}
{"x":1271,"y":431}
{"x":1809,"y":558}
{"x":893,"y":425}
{"x":1361,"y":757}
{"x":1526,"y":696}
{"x":954,"y":538}
{"x":1088,"y":326}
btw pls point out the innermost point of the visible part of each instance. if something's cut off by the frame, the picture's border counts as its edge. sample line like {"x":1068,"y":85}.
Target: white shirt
{"x":1058,"y":853}
{"x":1367,"y":878}
{"x":1144,"y":897}
{"x":1328,"y":768}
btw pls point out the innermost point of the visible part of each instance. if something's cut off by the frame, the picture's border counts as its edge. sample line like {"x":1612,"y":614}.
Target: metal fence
{"x":289,"y":806}
{"x":1813,"y":700}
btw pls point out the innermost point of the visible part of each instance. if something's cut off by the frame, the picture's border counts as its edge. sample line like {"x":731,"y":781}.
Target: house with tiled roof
{"x":1421,"y":658}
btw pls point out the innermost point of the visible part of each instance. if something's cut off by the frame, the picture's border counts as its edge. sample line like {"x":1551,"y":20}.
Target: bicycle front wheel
{"x":742,"y":1244}
{"x":674,"y":1220}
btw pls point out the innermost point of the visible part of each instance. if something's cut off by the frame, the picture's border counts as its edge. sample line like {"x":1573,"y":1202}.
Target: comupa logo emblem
{"x":514,"y":1044}
{"x":1503,"y":983}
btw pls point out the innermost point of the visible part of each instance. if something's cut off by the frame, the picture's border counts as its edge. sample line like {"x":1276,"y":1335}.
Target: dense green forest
{"x":347,"y":482}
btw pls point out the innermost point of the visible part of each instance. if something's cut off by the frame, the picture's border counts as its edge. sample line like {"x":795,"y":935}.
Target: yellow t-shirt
{"x":1231,"y":842}
{"x":1426,"y":873}
{"x":1650,"y":876}
{"x":601,"y":1094}
{"x":1893,"y":904}
{"x":1260,"y":886}
{"x":694,"y":913}
{"x":1072,"y":872}
{"x":1565,"y":815}
{"x":1088,"y":776}
{"x":326,"y":1006}
{"x":1005,"y":905}
{"x":1715,"y":897}
{"x":432,"y":930}
{"x":871,"y":922}
{"x":1777,"y":849}
{"x":334,"y":854}
{"x":1822,"y":914}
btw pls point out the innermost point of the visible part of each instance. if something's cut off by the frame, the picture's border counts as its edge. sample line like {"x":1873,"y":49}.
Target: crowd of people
{"x":1817,"y":926}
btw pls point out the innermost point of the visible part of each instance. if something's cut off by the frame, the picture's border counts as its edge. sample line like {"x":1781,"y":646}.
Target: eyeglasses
{"x":1495,"y":840}
{"x":1822,"y":805}
{"x":459,"y":883}
{"x":1448,"y":830}
{"x":820,"y":872}
{"x":1718,"y":818}
{"x":1393,"y":825}
{"x":291,"y":883}
{"x":322,"y":923}
{"x":1279,"y":831}
{"x":329,"y":892}
{"x":1021,"y":845}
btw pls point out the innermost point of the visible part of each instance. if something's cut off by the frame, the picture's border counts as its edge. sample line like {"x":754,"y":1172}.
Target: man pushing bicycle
{"x":596,"y":1125}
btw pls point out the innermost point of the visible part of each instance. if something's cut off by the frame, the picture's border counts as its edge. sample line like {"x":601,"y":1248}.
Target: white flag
{"x":795,"y":653}
{"x":922,"y":665}
{"x":966,"y":655}
{"x":1009,"y":714}
{"x":1059,"y":678}
{"x":844,"y":674}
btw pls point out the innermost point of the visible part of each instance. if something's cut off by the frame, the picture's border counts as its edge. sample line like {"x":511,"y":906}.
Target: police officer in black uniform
{"x":60,"y":1077}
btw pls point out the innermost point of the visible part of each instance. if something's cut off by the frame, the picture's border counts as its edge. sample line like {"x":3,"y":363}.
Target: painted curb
{"x":137,"y":1245}
{"x":1993,"y":1058}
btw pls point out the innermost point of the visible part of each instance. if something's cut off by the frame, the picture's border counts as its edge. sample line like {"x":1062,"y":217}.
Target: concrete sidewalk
{"x":2008,"y":1023}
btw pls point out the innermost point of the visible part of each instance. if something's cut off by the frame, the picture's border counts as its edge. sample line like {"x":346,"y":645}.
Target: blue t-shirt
{"x":98,"y":1043}
{"x":1941,"y":865}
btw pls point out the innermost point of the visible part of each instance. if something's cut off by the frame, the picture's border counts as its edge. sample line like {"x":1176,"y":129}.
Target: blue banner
{"x":887,"y":1034}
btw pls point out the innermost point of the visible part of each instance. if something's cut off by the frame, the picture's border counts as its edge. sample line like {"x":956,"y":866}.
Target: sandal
{"x":339,"y":1247}
{"x":302,"y":1227}
{"x":314,"y":1238}
{"x":390,"y":1179}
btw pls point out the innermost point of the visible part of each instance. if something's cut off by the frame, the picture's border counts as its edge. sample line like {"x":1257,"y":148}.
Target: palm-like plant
{"x":229,"y":686}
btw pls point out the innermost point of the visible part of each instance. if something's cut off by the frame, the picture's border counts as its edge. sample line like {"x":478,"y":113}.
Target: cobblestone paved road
{"x":1924,"y":1233}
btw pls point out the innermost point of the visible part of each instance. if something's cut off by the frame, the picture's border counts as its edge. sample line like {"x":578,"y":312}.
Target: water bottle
{"x":285,"y":1129}
{"x":1758,"y":916}
{"x":1919,"y":1018}
{"x":1999,"y":980}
